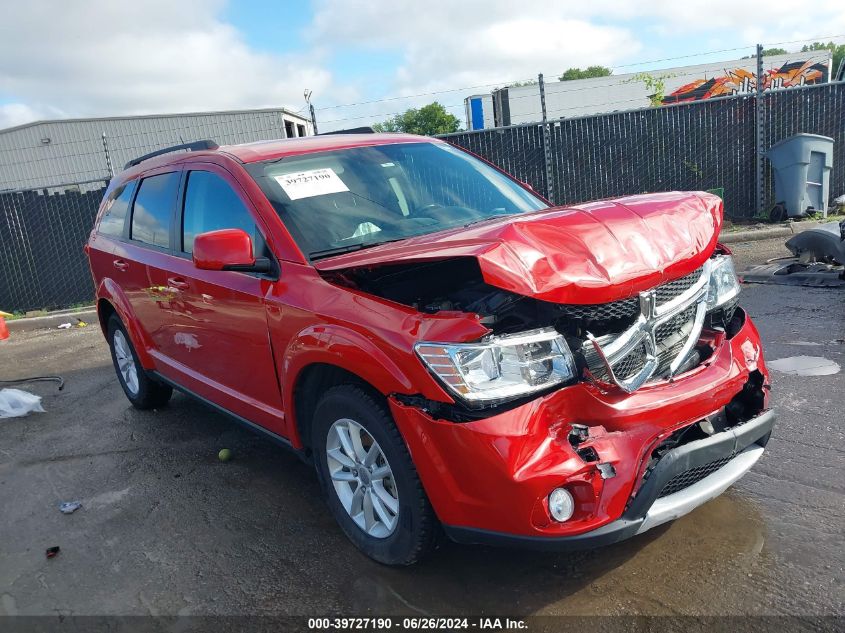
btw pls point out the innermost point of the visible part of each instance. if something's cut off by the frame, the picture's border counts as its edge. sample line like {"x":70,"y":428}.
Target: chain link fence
{"x":42,"y":233}
{"x":708,"y":144}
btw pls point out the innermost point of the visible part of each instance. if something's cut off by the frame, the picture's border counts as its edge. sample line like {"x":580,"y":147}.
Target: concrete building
{"x":52,"y":153}
{"x":600,"y":95}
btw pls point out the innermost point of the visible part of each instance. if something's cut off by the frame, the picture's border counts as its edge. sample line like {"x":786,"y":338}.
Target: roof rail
{"x":193,"y":147}
{"x":353,"y":130}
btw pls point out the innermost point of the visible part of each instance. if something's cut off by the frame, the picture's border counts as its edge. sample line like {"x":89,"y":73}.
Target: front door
{"x":218,"y":340}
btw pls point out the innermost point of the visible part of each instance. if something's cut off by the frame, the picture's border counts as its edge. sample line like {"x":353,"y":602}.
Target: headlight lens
{"x":501,"y":367}
{"x":724,"y":284}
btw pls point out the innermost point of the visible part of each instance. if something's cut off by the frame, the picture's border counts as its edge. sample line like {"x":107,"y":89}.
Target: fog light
{"x":561,"y":504}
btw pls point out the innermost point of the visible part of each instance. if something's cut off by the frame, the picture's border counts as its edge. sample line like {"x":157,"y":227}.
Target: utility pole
{"x":108,"y":157}
{"x":546,"y":141}
{"x":759,"y":125}
{"x":311,"y":108}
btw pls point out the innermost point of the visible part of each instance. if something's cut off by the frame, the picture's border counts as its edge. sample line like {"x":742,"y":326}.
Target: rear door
{"x":147,"y":250}
{"x":216,"y":338}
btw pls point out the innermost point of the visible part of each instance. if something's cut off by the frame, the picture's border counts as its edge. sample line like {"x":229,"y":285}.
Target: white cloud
{"x":105,"y":58}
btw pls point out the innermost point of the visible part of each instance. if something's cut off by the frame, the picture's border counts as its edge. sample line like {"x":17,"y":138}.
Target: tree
{"x":585,"y":73}
{"x":838,"y":52}
{"x":769,"y":51}
{"x":427,"y":120}
{"x":655,"y":84}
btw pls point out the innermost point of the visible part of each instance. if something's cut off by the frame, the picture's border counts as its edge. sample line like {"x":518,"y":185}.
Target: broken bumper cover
{"x":647,"y":509}
{"x":489,"y":480}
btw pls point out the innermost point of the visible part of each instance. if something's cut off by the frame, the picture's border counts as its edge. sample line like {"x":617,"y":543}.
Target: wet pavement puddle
{"x":804,"y":366}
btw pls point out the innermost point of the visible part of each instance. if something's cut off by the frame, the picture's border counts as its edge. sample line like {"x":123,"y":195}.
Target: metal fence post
{"x":759,"y":124}
{"x":547,"y":136}
{"x":108,"y":157}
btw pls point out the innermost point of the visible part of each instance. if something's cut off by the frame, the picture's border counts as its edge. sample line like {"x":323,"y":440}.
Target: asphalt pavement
{"x":166,"y":528}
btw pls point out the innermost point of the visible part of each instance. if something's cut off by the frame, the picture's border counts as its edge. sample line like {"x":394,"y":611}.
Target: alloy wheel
{"x":125,"y":362}
{"x":362,"y":478}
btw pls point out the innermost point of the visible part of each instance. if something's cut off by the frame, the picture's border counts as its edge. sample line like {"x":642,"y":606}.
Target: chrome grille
{"x":671,"y":337}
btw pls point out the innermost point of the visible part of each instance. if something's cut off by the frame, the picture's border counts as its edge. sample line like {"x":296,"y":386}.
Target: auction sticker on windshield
{"x":307,"y":184}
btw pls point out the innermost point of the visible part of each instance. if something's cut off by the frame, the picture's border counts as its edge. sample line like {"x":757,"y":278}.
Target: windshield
{"x":337,"y":201}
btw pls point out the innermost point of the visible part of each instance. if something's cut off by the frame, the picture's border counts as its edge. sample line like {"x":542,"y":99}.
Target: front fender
{"x":110,"y":291}
{"x":345,"y":348}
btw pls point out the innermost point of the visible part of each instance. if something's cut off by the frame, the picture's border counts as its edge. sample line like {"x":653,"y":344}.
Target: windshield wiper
{"x":340,"y":250}
{"x":490,"y":217}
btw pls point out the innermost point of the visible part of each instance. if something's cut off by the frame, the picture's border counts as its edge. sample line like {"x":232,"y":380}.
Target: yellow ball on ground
{"x":224,"y":455}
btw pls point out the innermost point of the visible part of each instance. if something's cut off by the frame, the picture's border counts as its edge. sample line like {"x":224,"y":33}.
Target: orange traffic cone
{"x":4,"y":331}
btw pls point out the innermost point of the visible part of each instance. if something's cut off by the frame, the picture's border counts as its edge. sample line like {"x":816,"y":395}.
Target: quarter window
{"x":114,"y":217}
{"x":211,"y":204}
{"x":153,"y":209}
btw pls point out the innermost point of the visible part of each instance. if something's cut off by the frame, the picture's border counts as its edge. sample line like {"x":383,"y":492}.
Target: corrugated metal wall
{"x":75,"y":152}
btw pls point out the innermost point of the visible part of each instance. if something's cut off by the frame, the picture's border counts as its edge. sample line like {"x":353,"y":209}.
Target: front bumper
{"x":744,"y":443}
{"x":488,"y":480}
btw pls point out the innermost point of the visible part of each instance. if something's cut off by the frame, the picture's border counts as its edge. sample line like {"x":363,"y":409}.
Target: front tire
{"x":367,"y":474}
{"x":141,"y":390}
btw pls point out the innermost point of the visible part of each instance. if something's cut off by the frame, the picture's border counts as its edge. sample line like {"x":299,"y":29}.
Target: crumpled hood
{"x":587,"y":253}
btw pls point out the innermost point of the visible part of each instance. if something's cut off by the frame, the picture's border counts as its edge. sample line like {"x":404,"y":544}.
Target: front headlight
{"x":501,"y":367}
{"x":724,"y":284}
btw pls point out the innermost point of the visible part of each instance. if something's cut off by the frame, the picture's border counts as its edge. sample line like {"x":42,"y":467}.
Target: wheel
{"x":778,"y":213}
{"x":141,"y":390}
{"x":370,"y":482}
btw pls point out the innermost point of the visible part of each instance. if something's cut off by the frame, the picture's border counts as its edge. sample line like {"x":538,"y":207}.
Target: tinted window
{"x":114,"y":217}
{"x":363,"y":196}
{"x":211,"y":204}
{"x":154,"y":208}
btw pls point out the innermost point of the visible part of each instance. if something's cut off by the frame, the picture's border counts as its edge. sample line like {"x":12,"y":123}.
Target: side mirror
{"x":227,"y":249}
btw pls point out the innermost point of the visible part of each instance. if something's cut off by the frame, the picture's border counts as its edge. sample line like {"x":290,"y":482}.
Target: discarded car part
{"x":825,"y":243}
{"x":793,"y":273}
{"x":16,"y":403}
{"x":52,"y":552}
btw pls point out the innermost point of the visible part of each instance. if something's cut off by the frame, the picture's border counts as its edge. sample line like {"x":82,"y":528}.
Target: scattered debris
{"x":825,"y":243}
{"x":819,"y":260}
{"x":805,"y":366}
{"x":18,"y":381}
{"x":69,"y":507}
{"x":224,"y":455}
{"x":52,"y":552}
{"x":16,"y":403}
{"x":81,"y":323}
{"x":65,"y":326}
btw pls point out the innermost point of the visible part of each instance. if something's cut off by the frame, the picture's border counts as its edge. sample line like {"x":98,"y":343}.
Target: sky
{"x":363,"y":60}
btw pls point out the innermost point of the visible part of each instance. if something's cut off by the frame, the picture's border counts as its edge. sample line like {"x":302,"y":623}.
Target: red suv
{"x":448,"y":350}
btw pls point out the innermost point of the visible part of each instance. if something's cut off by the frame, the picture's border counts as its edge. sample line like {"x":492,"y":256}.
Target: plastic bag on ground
{"x":15,"y":403}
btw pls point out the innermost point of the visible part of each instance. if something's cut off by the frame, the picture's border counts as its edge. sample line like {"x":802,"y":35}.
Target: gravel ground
{"x":166,"y":528}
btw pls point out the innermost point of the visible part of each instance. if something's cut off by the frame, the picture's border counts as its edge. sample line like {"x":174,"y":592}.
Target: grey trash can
{"x":801,"y":166}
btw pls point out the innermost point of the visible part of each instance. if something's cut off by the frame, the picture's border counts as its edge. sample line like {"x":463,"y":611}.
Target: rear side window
{"x":117,"y":205}
{"x":211,"y":204}
{"x":153,"y":209}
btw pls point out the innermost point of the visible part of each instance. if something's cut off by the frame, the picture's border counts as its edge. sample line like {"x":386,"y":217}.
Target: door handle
{"x":178,"y":283}
{"x":120,"y":265}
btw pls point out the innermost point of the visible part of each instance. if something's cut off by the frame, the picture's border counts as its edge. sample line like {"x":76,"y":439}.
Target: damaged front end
{"x":608,"y":395}
{"x":536,"y":346}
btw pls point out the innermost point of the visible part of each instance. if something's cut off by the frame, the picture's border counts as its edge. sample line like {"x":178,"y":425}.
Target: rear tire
{"x":378,"y":463}
{"x":142,"y":391}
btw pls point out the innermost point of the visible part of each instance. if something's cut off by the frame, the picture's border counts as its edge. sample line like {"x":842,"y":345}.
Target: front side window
{"x":153,"y":209}
{"x":347,"y":199}
{"x":211,"y":204}
{"x":117,"y":206}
